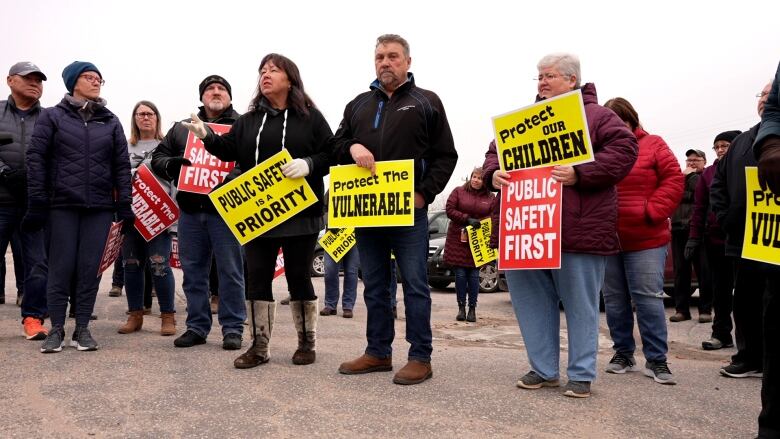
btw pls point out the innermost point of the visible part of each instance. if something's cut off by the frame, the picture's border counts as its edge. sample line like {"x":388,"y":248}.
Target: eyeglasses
{"x":548,"y":77}
{"x":762,"y":94}
{"x":694,"y":160}
{"x":93,"y":79}
{"x":145,"y":115}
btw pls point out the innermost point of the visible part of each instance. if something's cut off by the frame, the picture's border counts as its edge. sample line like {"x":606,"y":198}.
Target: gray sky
{"x":691,"y":71}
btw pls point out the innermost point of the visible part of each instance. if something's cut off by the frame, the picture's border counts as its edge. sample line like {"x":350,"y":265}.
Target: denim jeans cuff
{"x":378,"y":355}
{"x":420,"y":359}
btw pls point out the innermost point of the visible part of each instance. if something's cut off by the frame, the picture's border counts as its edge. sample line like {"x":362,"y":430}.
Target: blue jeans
{"x":393,"y":286}
{"x":637,"y":277}
{"x":410,"y":246}
{"x":351,"y":263}
{"x":535,"y":295}
{"x":136,"y":253}
{"x":34,"y":261}
{"x":467,"y":283}
{"x":200,"y":234}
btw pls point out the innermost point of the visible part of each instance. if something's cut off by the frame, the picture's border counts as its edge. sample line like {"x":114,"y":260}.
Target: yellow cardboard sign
{"x":762,"y":221}
{"x":262,"y":198}
{"x":478,"y":243}
{"x":551,"y":132}
{"x":338,"y":242}
{"x":358,"y":199}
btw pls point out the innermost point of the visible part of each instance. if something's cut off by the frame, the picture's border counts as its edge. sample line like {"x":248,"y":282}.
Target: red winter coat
{"x":462,"y":204}
{"x":648,"y":195}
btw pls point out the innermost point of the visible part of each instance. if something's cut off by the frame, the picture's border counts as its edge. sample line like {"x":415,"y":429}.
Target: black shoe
{"x":54,"y":341}
{"x":231,"y":342}
{"x":741,"y":370}
{"x":472,"y":315}
{"x":461,"y":313}
{"x":188,"y":340}
{"x":2,"y":300}
{"x":82,"y":340}
{"x":713,"y":344}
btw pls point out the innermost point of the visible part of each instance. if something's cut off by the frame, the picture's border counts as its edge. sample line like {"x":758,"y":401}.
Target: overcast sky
{"x":691,"y":71}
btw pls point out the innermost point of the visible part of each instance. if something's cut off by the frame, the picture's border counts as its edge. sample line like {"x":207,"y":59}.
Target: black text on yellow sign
{"x":479,"y":238}
{"x":262,"y":198}
{"x":551,"y":132}
{"x":338,"y":242}
{"x":762,"y":221}
{"x":359,"y":199}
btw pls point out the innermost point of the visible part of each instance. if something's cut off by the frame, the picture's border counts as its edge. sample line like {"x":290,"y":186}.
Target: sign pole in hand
{"x":196,"y":127}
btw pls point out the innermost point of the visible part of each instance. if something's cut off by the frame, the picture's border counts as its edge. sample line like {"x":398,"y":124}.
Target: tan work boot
{"x":305,"y":318}
{"x":168,"y":324}
{"x":414,"y":372}
{"x":262,"y":315}
{"x":366,"y":364}
{"x":134,"y":322}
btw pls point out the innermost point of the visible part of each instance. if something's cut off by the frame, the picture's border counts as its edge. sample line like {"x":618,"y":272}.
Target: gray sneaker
{"x":82,"y":340}
{"x":54,"y":341}
{"x":621,"y":363}
{"x":533,"y":380}
{"x":659,"y":372}
{"x":577,"y":389}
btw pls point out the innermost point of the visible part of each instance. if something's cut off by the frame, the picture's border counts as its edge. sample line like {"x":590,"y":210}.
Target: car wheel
{"x":488,"y":278}
{"x":318,"y":264}
{"x":439,"y":284}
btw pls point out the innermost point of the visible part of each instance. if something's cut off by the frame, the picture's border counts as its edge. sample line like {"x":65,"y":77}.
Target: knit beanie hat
{"x":728,"y":136}
{"x":210,"y":80}
{"x":71,"y":73}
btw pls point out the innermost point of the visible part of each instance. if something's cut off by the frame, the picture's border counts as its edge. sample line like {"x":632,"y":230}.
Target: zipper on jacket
{"x":86,"y":159}
{"x":378,"y":116}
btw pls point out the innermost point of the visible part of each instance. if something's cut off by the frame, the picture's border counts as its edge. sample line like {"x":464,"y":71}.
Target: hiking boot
{"x":472,"y":315}
{"x":414,"y":372}
{"x":621,"y":363}
{"x":713,"y":344}
{"x":189,"y":339}
{"x":659,"y":372}
{"x":168,"y":324}
{"x":82,"y":340}
{"x":33,"y":328}
{"x":347,"y":313}
{"x":366,"y":364}
{"x":54,"y":341}
{"x":741,"y":370}
{"x":705,"y":318}
{"x":461,"y":317}
{"x":577,"y":389}
{"x":533,"y":380}
{"x":134,"y":322}
{"x":115,"y":291}
{"x":231,"y":342}
{"x":214,"y":304}
{"x":328,"y":311}
{"x":679,"y":317}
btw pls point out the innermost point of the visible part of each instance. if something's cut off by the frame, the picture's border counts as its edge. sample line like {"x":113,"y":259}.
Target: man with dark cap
{"x":705,"y":227}
{"x":203,"y":233}
{"x":17,"y":118}
{"x":694,"y":165}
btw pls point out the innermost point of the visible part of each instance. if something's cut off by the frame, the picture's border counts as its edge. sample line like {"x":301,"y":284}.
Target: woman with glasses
{"x":635,"y":277}
{"x":78,"y":178}
{"x":138,"y":254}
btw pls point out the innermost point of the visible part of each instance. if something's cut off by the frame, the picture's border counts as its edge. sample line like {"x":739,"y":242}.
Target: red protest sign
{"x":206,"y":171}
{"x":154,"y":209}
{"x":529,"y":235}
{"x":175,"y":262}
{"x":279,"y":270}
{"x":112,"y":248}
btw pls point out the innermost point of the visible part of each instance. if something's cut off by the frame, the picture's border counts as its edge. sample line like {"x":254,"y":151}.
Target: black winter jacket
{"x":173,"y":145}
{"x":411,"y":124}
{"x":12,"y":155}
{"x":681,"y":217}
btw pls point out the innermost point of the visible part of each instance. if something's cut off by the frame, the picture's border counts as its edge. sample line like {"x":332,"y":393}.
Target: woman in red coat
{"x":646,"y":198}
{"x":466,"y":206}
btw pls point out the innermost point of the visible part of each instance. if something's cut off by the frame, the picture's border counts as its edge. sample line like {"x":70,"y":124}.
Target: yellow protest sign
{"x":478,"y":243}
{"x":338,"y":242}
{"x":262,"y":198}
{"x":551,"y":132}
{"x":359,"y":199}
{"x":762,"y":221}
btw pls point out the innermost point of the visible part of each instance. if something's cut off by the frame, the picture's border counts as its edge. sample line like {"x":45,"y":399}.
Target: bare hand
{"x":500,"y":178}
{"x":363,"y":157}
{"x":565,"y":175}
{"x":196,"y":127}
{"x":688,"y":170}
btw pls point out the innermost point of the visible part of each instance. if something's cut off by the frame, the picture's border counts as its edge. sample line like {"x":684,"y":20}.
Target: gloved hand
{"x":472,"y":222}
{"x":297,"y":168}
{"x":15,"y":181}
{"x":691,"y":247}
{"x":769,"y":164}
{"x":35,"y":218}
{"x":174,"y":164}
{"x":125,"y":214}
{"x":196,"y":127}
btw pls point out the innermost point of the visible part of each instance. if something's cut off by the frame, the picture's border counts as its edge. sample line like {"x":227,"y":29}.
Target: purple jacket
{"x":703,"y":221}
{"x":589,"y":214}
{"x":462,"y":204}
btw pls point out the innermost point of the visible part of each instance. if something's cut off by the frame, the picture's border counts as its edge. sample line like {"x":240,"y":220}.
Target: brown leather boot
{"x":262,"y":315}
{"x":134,"y":322}
{"x":305,"y":318}
{"x":366,"y":364}
{"x":414,"y":372}
{"x":168,"y":325}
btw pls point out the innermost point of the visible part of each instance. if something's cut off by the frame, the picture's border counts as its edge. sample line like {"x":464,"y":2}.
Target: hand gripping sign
{"x":112,"y":248}
{"x":338,"y":242}
{"x":762,"y":221}
{"x":551,"y":132}
{"x":478,"y":243}
{"x":206,"y":171}
{"x":359,"y":199}
{"x":262,"y":198}
{"x":154,"y":209}
{"x":529,"y":234}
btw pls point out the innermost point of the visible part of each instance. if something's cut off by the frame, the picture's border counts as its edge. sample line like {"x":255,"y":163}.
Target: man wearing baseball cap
{"x":17,"y":118}
{"x":203,"y":234}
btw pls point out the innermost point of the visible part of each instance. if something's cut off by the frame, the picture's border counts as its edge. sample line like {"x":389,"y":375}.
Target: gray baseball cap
{"x":24,"y":68}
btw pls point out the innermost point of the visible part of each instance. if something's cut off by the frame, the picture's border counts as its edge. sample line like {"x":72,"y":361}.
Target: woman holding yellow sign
{"x":281,"y":115}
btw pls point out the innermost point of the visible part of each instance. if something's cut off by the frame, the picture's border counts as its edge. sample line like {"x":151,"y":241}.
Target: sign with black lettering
{"x":762,"y":221}
{"x":338,"y":242}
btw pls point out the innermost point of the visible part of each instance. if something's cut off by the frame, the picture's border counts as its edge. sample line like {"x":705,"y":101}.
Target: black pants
{"x":682,"y":276}
{"x":750,"y":286}
{"x":722,"y":272}
{"x":261,"y":263}
{"x":769,"y":419}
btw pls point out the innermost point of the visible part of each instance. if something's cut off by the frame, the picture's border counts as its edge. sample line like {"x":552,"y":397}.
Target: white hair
{"x":567,"y":64}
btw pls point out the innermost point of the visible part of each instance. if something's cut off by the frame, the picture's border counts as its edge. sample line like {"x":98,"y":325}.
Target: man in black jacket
{"x":17,"y":117}
{"x":397,"y":120}
{"x":202,"y":232}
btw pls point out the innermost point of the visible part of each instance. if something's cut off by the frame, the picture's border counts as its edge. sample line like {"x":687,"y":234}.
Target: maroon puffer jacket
{"x":649,"y":195}
{"x":462,"y":204}
{"x":589,"y":214}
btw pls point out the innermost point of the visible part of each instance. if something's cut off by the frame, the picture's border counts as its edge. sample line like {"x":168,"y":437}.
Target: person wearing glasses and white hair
{"x":78,"y":179}
{"x":589,"y":235}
